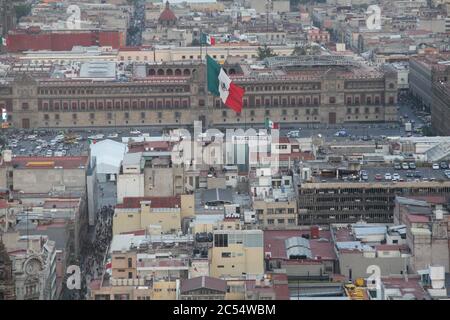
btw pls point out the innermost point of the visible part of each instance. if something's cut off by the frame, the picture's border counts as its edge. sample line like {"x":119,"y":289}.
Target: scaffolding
{"x":307,"y":61}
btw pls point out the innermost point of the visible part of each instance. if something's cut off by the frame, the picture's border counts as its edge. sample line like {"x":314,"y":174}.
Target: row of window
{"x":116,"y":90}
{"x":109,"y":116}
{"x":280,"y":221}
{"x":280,"y":211}
{"x":109,"y":105}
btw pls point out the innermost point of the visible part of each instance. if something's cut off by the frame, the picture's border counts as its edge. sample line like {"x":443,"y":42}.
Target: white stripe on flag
{"x":224,"y":85}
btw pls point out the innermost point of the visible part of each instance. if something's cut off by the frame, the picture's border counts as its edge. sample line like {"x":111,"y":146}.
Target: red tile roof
{"x":412,"y":285}
{"x":274,"y":242}
{"x":417,"y":218}
{"x":156,"y":202}
{"x":151,"y":145}
{"x":3,"y":204}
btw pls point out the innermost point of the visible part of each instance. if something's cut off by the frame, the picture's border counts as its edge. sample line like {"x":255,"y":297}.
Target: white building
{"x":108,"y":155}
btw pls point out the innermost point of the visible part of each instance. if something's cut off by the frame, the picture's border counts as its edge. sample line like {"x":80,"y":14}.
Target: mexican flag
{"x":207,"y":39}
{"x":3,"y":41}
{"x":220,"y":85}
{"x":271,"y":125}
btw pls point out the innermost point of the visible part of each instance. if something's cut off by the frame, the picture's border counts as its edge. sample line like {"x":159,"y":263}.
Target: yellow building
{"x":139,"y":213}
{"x":276,"y":214}
{"x":164,"y":290}
{"x":123,"y":265}
{"x":237,"y":254}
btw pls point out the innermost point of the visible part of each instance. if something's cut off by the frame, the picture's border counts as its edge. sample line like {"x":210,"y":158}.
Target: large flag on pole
{"x":220,"y":85}
{"x":269,"y":124}
{"x":207,"y":39}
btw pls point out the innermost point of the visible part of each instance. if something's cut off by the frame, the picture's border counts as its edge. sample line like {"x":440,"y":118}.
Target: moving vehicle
{"x":364,"y":175}
{"x":294,"y":134}
{"x":341,"y":133}
{"x":113,"y":135}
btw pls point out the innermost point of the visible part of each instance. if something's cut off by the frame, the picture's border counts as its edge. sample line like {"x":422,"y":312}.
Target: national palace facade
{"x":286,"y":90}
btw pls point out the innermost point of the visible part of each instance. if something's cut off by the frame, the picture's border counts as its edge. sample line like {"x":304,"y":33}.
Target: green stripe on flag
{"x":213,"y":71}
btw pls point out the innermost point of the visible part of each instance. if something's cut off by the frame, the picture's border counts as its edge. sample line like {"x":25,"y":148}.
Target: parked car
{"x":435,"y":166}
{"x":395,"y":177}
{"x":397,"y":165}
{"x":405,"y":166}
{"x":387,"y":176}
{"x":443,"y":165}
{"x":378,"y":177}
{"x":412,"y":165}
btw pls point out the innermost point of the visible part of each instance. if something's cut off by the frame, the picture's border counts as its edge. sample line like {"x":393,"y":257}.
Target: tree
{"x":265,"y":52}
{"x":22,"y":10}
{"x":306,"y":50}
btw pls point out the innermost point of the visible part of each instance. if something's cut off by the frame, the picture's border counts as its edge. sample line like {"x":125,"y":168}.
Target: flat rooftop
{"x":24,"y":162}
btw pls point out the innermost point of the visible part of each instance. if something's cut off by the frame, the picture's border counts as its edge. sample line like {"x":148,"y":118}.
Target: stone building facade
{"x":176,"y":94}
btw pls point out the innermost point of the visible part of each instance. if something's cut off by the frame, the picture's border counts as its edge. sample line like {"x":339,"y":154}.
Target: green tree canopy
{"x":265,"y":52}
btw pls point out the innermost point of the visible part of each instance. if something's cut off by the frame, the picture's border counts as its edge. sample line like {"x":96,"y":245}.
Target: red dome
{"x":167,"y":14}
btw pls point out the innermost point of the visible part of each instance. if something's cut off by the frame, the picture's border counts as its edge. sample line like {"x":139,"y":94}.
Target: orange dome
{"x":167,"y":14}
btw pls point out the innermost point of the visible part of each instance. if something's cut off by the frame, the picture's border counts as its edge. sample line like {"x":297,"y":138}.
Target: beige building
{"x":289,"y":90}
{"x":276,"y":214}
{"x":150,"y":213}
{"x":147,"y":174}
{"x":237,"y":254}
{"x":43,"y":174}
{"x":170,"y":54}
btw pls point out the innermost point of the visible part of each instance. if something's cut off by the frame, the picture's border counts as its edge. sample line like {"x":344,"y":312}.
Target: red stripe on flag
{"x":213,"y":40}
{"x":235,"y":95}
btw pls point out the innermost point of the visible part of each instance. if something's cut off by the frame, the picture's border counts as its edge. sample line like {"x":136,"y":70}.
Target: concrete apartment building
{"x":149,"y":173}
{"x":348,"y":202}
{"x":276,"y":214}
{"x":163,"y":214}
{"x":440,"y":115}
{"x":43,"y":174}
{"x":237,"y":254}
{"x":361,"y":245}
{"x":424,"y":71}
{"x":427,"y":226}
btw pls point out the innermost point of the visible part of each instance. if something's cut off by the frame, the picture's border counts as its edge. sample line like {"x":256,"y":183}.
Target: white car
{"x":293,"y":134}
{"x":395,"y":177}
{"x":113,"y":135}
{"x":435,"y":166}
{"x":387,"y":176}
{"x":135,"y":132}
